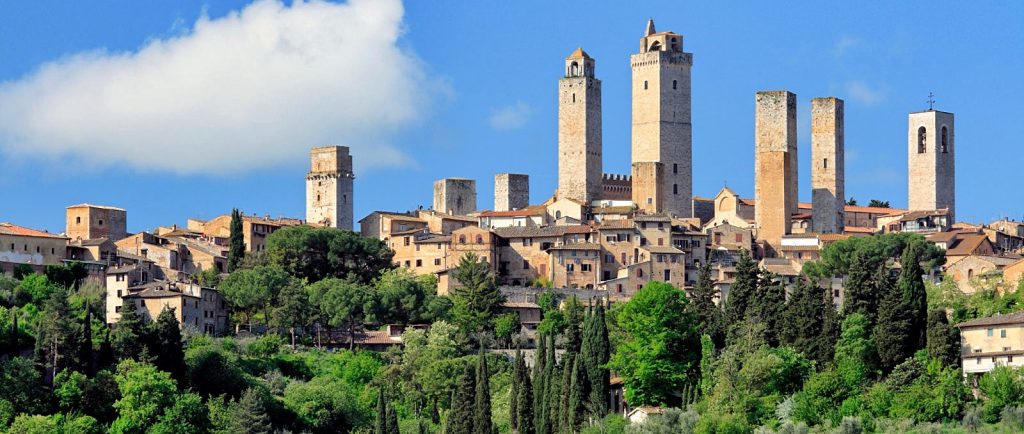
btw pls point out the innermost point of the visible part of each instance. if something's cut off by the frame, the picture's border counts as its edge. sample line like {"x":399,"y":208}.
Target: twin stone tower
{"x":661,"y":143}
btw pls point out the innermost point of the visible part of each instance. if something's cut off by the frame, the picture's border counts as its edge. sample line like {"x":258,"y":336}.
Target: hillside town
{"x":599,"y":241}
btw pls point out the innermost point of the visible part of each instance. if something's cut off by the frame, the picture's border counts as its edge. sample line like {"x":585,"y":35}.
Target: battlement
{"x":656,"y":58}
{"x":616,"y":187}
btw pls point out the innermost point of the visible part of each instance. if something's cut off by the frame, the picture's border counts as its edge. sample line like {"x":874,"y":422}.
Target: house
{"x":640,"y":414}
{"x":918,"y":222}
{"x":533,"y":216}
{"x":255,"y":230}
{"x":20,"y":245}
{"x":1013,"y":273}
{"x":199,"y":308}
{"x":974,"y":272}
{"x":990,"y":342}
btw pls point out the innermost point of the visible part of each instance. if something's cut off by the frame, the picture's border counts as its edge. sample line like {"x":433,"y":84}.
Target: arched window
{"x":645,"y":84}
{"x":945,"y":140}
{"x":639,"y":272}
{"x":656,"y":46}
{"x":462,"y":239}
{"x":970,"y":273}
{"x":574,"y":69}
{"x":558,"y":215}
{"x":922,"y":140}
{"x":673,"y":85}
{"x":78,"y":220}
{"x":479,"y":239}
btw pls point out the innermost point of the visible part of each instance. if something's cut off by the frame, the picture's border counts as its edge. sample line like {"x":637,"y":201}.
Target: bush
{"x":611,"y":424}
{"x":1013,"y":418}
{"x":973,"y":419}
{"x":265,"y":346}
{"x":851,"y":425}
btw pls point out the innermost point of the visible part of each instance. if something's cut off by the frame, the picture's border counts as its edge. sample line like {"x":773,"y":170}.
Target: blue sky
{"x":184,"y":109}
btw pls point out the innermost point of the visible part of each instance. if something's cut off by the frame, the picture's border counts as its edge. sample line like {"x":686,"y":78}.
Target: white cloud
{"x":252,"y":89}
{"x":844,"y":44}
{"x":511,"y":117}
{"x":864,"y":93}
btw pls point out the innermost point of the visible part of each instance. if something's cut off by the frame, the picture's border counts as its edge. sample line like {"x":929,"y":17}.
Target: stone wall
{"x":511,"y":191}
{"x":827,"y":165}
{"x":87,"y":222}
{"x":455,"y":196}
{"x":329,"y":190}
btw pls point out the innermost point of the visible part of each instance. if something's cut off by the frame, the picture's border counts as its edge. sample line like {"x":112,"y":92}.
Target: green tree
{"x":943,"y":339}
{"x":911,"y":287}
{"x":476,"y":297}
{"x":58,"y":343}
{"x":391,"y":427}
{"x":344,"y":303}
{"x":539,"y":383}
{"x":249,"y":414}
{"x":1001,"y":386}
{"x":660,"y":352}
{"x":166,"y":344}
{"x":406,"y":298}
{"x":380,"y":423}
{"x":894,"y":331}
{"x":145,"y":394}
{"x":876,"y":203}
{"x":325,"y":404}
{"x":855,"y":358}
{"x":573,"y":324}
{"x":743,"y":290}
{"x":314,"y":254}
{"x":506,"y":327}
{"x":292,"y":309}
{"x":127,"y":337}
{"x":188,"y":415}
{"x":803,"y":318}
{"x":483,"y":422}
{"x":702,"y":297}
{"x":236,"y":241}
{"x":66,"y":276}
{"x":596,"y":352}
{"x":462,"y":417}
{"x":253,"y":291}
{"x":85,"y":353}
{"x":769,"y":306}
{"x":579,"y":393}
{"x":22,"y":385}
{"x":524,"y":401}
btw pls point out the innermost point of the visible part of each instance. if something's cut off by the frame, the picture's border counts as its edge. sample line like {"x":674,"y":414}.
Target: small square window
{"x":1002,"y":333}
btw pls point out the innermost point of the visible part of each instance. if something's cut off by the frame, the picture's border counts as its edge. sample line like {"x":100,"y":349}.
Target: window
{"x":419,"y":262}
{"x":645,"y":84}
{"x":585,"y":268}
{"x":437,"y":261}
{"x":639,"y":272}
{"x":661,"y":258}
{"x":37,"y":249}
{"x":922,"y":140}
{"x":78,"y":220}
{"x":945,"y":141}
{"x":405,"y":241}
{"x":661,"y":241}
{"x":675,"y":188}
{"x":673,"y":85}
{"x":623,"y":257}
{"x":408,"y":264}
{"x":979,"y":360}
{"x":462,"y":239}
{"x":527,"y":242}
{"x":101,"y":222}
{"x":668,"y":275}
{"x":526,"y":264}
{"x":739,"y":238}
{"x":117,"y":309}
{"x":825,"y":163}
{"x":989,"y":332}
{"x":569,"y":267}
{"x":1002,"y":333}
{"x":118,"y":293}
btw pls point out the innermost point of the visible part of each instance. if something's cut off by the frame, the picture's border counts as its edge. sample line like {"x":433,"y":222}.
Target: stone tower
{"x":661,"y":119}
{"x":775,"y":160}
{"x":579,"y":130}
{"x":329,"y":187}
{"x":455,"y":196}
{"x":511,"y":191}
{"x":931,"y":169}
{"x":827,"y":166}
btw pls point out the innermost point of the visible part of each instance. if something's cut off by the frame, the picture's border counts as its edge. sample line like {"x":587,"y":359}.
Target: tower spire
{"x":650,"y":27}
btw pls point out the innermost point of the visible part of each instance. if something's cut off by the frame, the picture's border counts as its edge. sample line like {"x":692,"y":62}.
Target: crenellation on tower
{"x":931,"y":170}
{"x":662,"y":130}
{"x":775,"y":161}
{"x":827,"y":165}
{"x":511,"y":191}
{"x":329,"y":190}
{"x":579,"y":130}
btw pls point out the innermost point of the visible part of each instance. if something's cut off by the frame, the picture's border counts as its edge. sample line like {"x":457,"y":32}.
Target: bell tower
{"x":579,"y":130}
{"x":931,"y":164}
{"x":329,"y":187}
{"x":662,"y":132}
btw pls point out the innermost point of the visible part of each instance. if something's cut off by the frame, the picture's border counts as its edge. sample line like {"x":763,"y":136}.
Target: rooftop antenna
{"x":931,"y":101}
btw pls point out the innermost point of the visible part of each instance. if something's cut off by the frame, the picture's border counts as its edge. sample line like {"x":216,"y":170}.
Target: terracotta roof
{"x":461,"y":218}
{"x":121,"y":270}
{"x":859,"y":230}
{"x":579,"y":229}
{"x":89,"y":205}
{"x":520,"y":305}
{"x":530,"y":232}
{"x":613,"y":210}
{"x":577,"y":246}
{"x":663,"y":250}
{"x":372,"y":337}
{"x":616,"y":224}
{"x":13,"y":229}
{"x":914,"y":215}
{"x":525,"y":212}
{"x":1011,"y":318}
{"x":801,"y":216}
{"x":578,"y":53}
{"x":652,"y":218}
{"x":942,"y":237}
{"x":966,"y":244}
{"x":832,"y":237}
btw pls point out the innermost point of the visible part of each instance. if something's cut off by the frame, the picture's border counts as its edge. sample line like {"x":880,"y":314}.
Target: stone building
{"x":511,"y":191}
{"x":87,"y":222}
{"x":455,"y":196}
{"x":662,"y":132}
{"x":931,"y":170}
{"x":21,"y":245}
{"x":989,"y":342}
{"x":579,"y":130}
{"x":329,"y":187}
{"x":827,"y":165}
{"x":255,"y":229}
{"x":648,"y":188}
{"x":775,"y":166}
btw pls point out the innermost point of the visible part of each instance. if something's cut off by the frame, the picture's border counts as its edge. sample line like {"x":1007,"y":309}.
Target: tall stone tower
{"x":827,"y":166}
{"x":775,"y":161}
{"x":329,"y":187}
{"x":579,"y":130}
{"x":511,"y":191}
{"x":455,"y":196}
{"x":661,"y":119}
{"x":931,"y":171}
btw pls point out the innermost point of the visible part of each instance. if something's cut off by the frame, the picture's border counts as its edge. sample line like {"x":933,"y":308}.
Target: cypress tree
{"x":249,"y":415}
{"x":743,"y":290}
{"x":86,"y":350}
{"x":539,"y":383}
{"x":573,"y":319}
{"x":768,"y":306}
{"x":129,"y":333}
{"x":550,"y":404}
{"x":483,"y":395}
{"x":595,"y":359}
{"x":802,"y":322}
{"x":15,"y":311}
{"x":577,"y":410}
{"x":462,"y":416}
{"x":236,"y":241}
{"x":860,"y":290}
{"x":57,"y":340}
{"x":703,"y":301}
{"x":894,"y":329}
{"x":943,"y":339}
{"x":564,"y":416}
{"x":391,"y":425}
{"x":524,"y":403}
{"x":167,"y":344}
{"x":380,"y":424}
{"x":911,"y":287}
{"x":513,"y":393}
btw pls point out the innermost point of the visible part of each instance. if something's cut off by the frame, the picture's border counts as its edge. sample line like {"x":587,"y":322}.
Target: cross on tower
{"x":931,"y":101}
